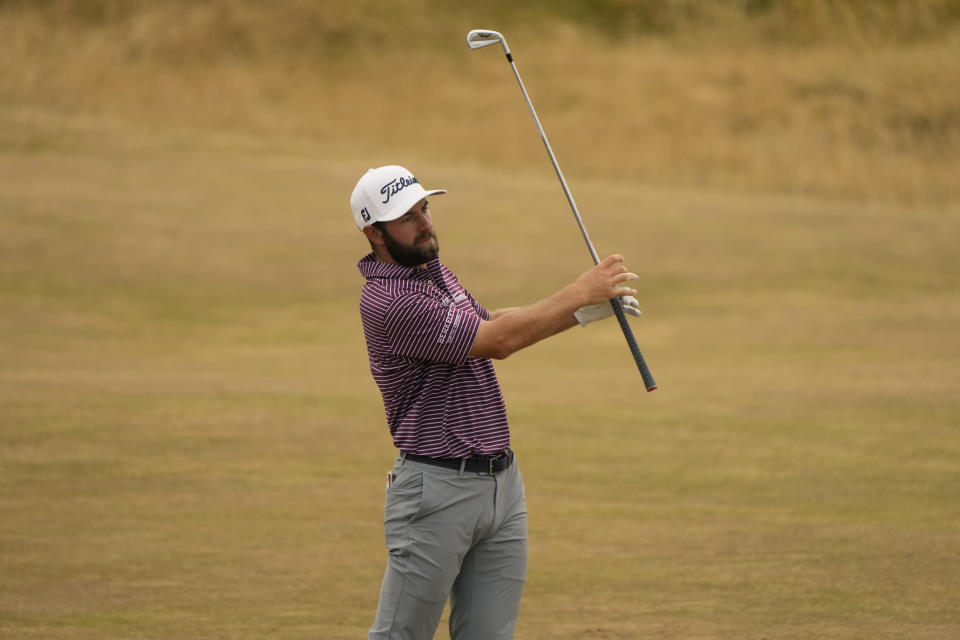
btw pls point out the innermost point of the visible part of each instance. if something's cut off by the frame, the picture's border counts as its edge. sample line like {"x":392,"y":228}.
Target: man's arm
{"x":499,"y":313}
{"x":510,"y":330}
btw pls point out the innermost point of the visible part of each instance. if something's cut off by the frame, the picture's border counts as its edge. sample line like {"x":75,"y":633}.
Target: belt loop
{"x":403,"y":457}
{"x":463,"y":465}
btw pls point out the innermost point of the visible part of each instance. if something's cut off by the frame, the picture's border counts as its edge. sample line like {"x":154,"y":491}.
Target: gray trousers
{"x":457,"y":535}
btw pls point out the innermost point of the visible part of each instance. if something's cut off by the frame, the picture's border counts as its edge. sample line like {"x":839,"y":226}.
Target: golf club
{"x":479,"y":38}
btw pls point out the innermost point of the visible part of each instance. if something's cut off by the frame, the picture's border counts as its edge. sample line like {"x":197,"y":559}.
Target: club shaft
{"x":638,"y":358}
{"x":556,"y":165}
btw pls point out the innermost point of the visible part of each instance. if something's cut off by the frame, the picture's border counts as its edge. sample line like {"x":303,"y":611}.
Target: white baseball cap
{"x":385,"y":194}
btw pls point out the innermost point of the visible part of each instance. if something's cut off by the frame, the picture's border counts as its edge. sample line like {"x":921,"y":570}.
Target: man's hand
{"x":603,"y":282}
{"x":599,"y":311}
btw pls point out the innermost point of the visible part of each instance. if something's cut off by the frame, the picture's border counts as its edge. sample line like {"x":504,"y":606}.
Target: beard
{"x":412,"y":255}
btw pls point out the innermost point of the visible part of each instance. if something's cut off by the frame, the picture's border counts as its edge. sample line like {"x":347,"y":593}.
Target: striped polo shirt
{"x":420,"y":323}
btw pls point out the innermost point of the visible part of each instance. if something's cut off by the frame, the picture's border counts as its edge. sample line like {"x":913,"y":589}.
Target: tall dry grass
{"x":839,"y":99}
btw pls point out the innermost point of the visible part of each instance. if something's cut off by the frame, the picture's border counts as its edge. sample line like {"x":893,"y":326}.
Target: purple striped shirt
{"x":420,"y":324}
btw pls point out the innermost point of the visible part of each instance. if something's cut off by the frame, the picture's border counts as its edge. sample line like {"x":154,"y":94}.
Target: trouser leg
{"x":485,"y":599}
{"x":400,"y":614}
{"x":429,"y":521}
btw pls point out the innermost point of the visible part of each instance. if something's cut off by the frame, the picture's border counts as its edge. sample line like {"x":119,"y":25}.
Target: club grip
{"x":648,"y":380}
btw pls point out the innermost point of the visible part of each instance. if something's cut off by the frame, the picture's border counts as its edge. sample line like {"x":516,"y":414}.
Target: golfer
{"x":455,"y":518}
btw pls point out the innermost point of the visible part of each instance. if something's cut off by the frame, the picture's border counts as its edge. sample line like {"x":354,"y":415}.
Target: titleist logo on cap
{"x":395,"y":186}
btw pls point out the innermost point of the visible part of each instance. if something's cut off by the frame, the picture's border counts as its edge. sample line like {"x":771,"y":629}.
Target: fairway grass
{"x":191,"y":445}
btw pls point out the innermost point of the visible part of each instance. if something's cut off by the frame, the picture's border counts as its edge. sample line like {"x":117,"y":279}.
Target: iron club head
{"x":478,"y":38}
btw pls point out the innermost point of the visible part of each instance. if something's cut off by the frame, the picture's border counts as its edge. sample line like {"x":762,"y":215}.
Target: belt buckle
{"x":499,"y":456}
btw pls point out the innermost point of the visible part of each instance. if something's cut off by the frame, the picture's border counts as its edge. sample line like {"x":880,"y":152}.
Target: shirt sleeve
{"x":424,"y":327}
{"x":481,"y":310}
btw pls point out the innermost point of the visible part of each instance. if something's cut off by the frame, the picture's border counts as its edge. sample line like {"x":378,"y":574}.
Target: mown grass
{"x":190,"y":442}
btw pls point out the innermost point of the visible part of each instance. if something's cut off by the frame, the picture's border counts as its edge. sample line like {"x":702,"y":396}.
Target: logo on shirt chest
{"x":458,"y":297}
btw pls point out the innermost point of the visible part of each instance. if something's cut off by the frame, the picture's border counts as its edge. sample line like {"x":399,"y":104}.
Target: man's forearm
{"x":510,"y":330}
{"x":515,"y":328}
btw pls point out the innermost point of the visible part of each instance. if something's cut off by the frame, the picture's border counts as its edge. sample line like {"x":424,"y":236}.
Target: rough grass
{"x":720,"y":101}
{"x":190,"y":442}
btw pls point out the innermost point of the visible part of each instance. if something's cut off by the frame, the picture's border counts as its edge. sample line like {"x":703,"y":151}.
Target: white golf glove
{"x":593,"y":312}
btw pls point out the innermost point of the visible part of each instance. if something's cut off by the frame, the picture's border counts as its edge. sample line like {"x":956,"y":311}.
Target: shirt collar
{"x":370,"y":267}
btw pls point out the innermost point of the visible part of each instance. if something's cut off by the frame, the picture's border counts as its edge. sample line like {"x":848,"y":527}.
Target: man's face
{"x":410,"y":239}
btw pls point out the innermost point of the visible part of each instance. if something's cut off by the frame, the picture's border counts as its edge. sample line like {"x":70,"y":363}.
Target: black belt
{"x":491,"y":464}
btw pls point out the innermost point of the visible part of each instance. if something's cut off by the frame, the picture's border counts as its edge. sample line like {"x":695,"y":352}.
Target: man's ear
{"x":374,"y":235}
